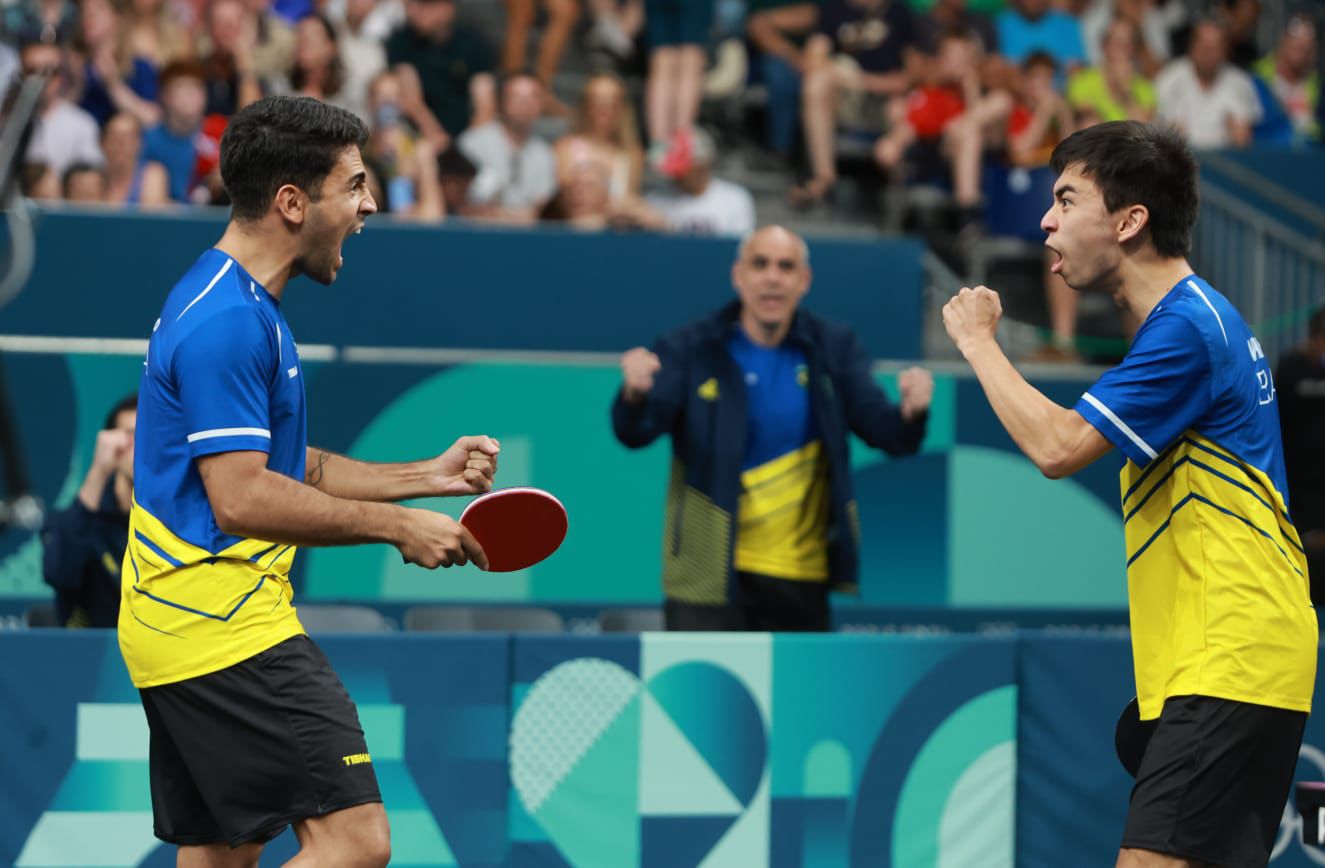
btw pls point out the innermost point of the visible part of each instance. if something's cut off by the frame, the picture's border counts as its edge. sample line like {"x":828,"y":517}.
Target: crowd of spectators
{"x":138,"y":94}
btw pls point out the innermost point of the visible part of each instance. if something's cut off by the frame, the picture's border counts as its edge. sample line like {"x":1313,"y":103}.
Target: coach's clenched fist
{"x":638,"y":367}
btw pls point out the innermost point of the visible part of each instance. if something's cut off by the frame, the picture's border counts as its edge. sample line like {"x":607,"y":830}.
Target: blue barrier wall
{"x":661,"y":750}
{"x":447,"y":286}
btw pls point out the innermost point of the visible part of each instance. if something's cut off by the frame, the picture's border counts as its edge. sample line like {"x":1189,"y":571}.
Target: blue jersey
{"x":222,"y":374}
{"x":1217,"y":578}
{"x":782,"y":512}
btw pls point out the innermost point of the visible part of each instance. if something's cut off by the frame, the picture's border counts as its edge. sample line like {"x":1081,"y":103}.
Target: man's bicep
{"x":1085,"y":444}
{"x":1160,"y":390}
{"x":229,"y":477}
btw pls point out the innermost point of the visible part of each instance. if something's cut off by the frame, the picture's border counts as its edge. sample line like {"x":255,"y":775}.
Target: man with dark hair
{"x":1300,"y":383}
{"x":83,"y":182}
{"x":1209,"y":99}
{"x":517,"y":171}
{"x":83,"y":544}
{"x":1223,"y":634}
{"x":231,"y":74}
{"x":62,"y":133}
{"x":251,"y":730}
{"x":456,"y":174}
{"x":177,"y":142}
{"x":447,"y":63}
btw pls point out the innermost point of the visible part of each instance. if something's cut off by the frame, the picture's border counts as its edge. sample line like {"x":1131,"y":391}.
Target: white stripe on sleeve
{"x":1122,"y":426}
{"x":199,"y":296}
{"x":229,"y":432}
{"x":1205,"y":298}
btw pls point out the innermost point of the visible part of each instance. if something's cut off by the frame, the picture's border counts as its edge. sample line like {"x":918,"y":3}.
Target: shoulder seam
{"x":210,"y":285}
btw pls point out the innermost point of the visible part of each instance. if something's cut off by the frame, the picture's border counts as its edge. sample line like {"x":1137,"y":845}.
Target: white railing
{"x":1275,"y":275}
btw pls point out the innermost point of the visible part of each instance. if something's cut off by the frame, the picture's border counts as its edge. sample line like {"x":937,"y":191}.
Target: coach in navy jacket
{"x":758,"y":397}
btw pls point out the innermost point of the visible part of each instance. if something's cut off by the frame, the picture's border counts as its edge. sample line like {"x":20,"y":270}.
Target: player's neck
{"x":1143,"y":281}
{"x":260,"y":253}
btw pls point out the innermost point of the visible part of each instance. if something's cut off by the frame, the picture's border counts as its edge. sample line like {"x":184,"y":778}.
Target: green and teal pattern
{"x":964,"y":524}
{"x":81,"y":794}
{"x":684,"y":750}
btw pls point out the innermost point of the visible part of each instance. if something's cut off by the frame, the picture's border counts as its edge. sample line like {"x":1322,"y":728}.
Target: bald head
{"x":771,"y":275}
{"x":774,"y":231}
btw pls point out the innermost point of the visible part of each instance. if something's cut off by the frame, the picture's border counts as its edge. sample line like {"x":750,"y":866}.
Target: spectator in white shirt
{"x":517,"y":171}
{"x":361,"y":53}
{"x":701,"y":204}
{"x":1213,"y":102}
{"x":63,"y":134}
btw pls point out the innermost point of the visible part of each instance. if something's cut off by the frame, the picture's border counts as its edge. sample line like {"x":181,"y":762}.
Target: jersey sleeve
{"x":1160,"y":390}
{"x":223,"y":371}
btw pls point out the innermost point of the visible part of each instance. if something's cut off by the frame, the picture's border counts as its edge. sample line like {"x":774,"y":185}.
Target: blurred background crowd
{"x":696,"y":116}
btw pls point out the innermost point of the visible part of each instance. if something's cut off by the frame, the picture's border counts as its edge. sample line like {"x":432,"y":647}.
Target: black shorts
{"x":1213,"y":781}
{"x":238,"y":755}
{"x":766,"y":604}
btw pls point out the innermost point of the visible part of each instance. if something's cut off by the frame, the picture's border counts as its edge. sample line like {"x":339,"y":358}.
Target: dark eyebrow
{"x":1064,"y":190}
{"x":358,"y":179}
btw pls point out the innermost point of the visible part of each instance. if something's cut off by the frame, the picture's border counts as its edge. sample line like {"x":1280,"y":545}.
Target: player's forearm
{"x":344,"y":477}
{"x":1033,"y":421}
{"x":274,"y":507}
{"x":94,"y":485}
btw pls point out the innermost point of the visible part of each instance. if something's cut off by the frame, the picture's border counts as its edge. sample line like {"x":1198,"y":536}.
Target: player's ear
{"x":292,"y":203}
{"x":1131,"y":221}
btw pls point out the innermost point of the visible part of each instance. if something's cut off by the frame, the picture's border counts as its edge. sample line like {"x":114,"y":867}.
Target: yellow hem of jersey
{"x":171,"y":677}
{"x":763,"y":569}
{"x":1236,"y":696}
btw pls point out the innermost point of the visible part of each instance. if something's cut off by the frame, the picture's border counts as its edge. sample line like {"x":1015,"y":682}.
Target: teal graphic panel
{"x":692,"y":749}
{"x":77,"y":794}
{"x":963,"y":524}
{"x":674,"y":751}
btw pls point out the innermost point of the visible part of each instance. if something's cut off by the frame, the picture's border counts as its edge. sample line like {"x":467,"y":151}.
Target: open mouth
{"x":340,"y":258}
{"x":1057,"y":265}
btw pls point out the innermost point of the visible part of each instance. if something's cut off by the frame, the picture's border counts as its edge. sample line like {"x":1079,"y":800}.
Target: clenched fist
{"x":917,"y":387}
{"x":972,"y":316}
{"x":112,"y":443}
{"x":468,"y":467}
{"x":638,"y":367}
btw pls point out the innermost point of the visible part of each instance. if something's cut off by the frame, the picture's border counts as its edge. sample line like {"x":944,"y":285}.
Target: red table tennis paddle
{"x":517,"y":527}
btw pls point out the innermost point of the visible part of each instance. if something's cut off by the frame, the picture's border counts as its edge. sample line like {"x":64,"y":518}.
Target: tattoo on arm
{"x":315,"y":475}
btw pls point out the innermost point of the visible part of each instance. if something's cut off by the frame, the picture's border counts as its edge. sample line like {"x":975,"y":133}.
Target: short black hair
{"x":128,"y":402}
{"x":452,"y":163}
{"x":181,"y":69}
{"x":1140,"y":164}
{"x":74,"y":170}
{"x":30,"y":174}
{"x":1039,"y":58}
{"x":283,"y":140}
